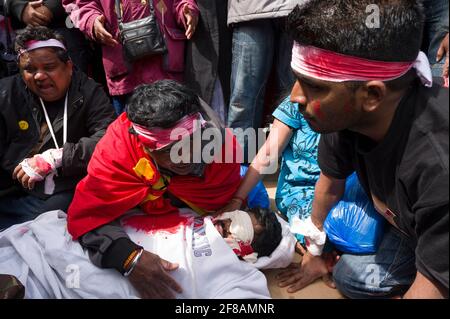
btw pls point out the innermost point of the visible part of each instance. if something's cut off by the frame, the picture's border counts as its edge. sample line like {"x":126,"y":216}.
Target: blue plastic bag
{"x":258,"y":197}
{"x":353,"y":225}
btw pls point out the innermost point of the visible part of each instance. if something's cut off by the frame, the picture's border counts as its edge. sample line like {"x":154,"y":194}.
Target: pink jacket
{"x":122,"y":79}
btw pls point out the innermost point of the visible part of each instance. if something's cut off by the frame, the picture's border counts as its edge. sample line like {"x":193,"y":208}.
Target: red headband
{"x":334,"y":67}
{"x":158,"y":138}
{"x":37,"y":44}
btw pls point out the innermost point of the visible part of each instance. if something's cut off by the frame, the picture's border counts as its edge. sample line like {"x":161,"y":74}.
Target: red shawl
{"x":112,"y":187}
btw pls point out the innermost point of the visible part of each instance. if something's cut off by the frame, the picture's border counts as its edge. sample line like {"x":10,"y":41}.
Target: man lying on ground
{"x":50,"y":264}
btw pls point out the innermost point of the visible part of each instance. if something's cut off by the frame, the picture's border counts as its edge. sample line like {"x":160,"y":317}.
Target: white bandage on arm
{"x":53,"y":157}
{"x":30,"y":171}
{"x":315,"y":238}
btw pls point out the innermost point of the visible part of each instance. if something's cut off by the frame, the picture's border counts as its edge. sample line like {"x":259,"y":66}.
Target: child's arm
{"x":264,"y":163}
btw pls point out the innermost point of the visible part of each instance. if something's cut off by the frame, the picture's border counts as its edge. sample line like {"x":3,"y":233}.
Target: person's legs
{"x":283,"y":56}
{"x":59,"y":201}
{"x":119,"y":103}
{"x":385,"y":274}
{"x":436,"y":17}
{"x":252,"y":61}
{"x":16,"y":209}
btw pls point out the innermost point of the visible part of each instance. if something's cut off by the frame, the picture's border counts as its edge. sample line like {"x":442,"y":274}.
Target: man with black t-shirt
{"x":369,"y":91}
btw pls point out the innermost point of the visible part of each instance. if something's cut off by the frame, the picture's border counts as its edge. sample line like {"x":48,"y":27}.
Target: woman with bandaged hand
{"x":51,"y":118}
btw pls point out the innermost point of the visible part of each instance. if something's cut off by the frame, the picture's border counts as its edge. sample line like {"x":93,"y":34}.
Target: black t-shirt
{"x":406,"y":174}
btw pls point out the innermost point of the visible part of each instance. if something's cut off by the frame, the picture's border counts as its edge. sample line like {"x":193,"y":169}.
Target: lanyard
{"x":50,"y":127}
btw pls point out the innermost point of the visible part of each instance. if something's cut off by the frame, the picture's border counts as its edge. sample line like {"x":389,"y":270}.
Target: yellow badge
{"x":143,"y":2}
{"x":144,"y":169}
{"x":23,"y":125}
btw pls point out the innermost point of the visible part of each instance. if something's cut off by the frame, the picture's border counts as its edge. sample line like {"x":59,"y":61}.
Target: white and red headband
{"x":335,"y":67}
{"x":159,"y":138}
{"x":37,"y":44}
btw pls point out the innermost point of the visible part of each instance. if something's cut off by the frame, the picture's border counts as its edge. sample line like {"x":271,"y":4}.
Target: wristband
{"x":133,"y":263}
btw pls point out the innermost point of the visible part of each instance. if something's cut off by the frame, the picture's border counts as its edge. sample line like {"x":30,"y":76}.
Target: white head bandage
{"x":242,"y":233}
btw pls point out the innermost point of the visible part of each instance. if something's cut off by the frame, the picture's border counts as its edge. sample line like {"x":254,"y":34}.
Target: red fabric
{"x":331,"y":66}
{"x":158,"y":138}
{"x":112,"y":188}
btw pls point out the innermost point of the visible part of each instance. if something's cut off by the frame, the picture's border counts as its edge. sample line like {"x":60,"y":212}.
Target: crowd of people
{"x":130,"y":168}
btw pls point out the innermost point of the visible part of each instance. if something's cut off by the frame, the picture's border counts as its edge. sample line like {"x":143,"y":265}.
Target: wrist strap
{"x":133,"y":263}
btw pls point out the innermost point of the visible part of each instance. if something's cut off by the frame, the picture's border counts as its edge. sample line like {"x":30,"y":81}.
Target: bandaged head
{"x":242,"y":234}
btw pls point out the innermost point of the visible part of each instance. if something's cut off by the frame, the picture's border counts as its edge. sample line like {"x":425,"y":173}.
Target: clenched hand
{"x":36,"y":14}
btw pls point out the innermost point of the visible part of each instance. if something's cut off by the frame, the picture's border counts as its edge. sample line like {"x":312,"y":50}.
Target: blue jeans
{"x":17,"y":209}
{"x":436,"y":27}
{"x":256,"y":45}
{"x":119,"y":103}
{"x":388,"y":273}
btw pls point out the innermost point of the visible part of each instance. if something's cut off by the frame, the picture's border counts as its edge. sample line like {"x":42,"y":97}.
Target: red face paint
{"x":318,"y":109}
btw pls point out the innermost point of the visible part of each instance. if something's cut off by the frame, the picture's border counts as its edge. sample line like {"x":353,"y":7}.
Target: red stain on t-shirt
{"x":168,"y":223}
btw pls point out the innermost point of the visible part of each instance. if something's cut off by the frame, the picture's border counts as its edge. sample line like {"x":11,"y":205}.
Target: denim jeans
{"x":256,"y":46}
{"x":388,"y":273}
{"x":119,"y":103}
{"x":17,"y":209}
{"x":436,"y":27}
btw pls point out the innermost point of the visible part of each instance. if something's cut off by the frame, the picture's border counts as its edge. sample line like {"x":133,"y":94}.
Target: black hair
{"x":342,"y":26}
{"x":161,"y":104}
{"x":266,"y":242}
{"x":40,"y":33}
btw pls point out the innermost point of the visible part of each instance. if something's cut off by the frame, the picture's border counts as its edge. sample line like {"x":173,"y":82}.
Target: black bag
{"x":8,"y":64}
{"x":141,"y":38}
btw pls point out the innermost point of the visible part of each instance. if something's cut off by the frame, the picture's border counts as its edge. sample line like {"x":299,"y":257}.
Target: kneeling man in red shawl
{"x":133,"y":166}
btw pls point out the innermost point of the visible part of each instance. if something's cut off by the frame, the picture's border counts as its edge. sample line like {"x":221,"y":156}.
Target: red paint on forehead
{"x":169,"y":223}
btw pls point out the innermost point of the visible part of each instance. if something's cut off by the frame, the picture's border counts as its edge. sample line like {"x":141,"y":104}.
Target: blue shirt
{"x":299,"y":168}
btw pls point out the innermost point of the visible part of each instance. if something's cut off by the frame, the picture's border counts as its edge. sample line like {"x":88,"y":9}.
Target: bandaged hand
{"x":315,"y":239}
{"x":39,"y":167}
